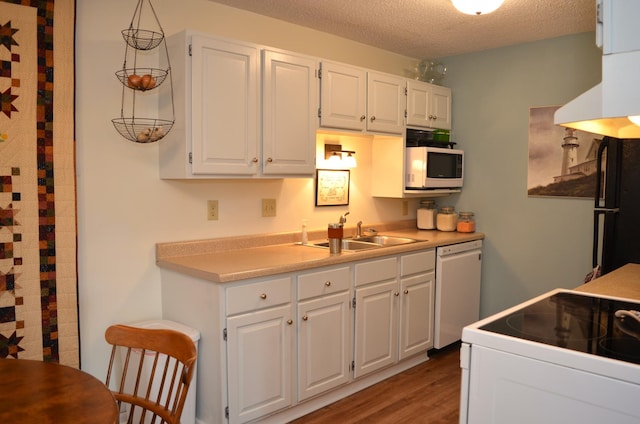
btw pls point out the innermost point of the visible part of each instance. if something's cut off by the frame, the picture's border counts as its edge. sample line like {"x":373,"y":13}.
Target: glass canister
{"x":427,"y":215}
{"x":466,"y":222}
{"x":447,"y":220}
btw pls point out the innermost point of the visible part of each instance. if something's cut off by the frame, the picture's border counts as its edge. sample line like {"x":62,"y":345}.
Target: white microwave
{"x":429,"y":168}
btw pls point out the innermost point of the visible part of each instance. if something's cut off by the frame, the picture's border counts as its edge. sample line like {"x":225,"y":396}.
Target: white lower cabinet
{"x":324,"y":331}
{"x":417,"y":285}
{"x":376,"y":327}
{"x":259,"y":349}
{"x":270,"y":347}
{"x":259,"y":362}
{"x":394,"y":309}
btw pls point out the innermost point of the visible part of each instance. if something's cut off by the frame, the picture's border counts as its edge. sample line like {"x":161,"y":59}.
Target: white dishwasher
{"x":458,"y":268}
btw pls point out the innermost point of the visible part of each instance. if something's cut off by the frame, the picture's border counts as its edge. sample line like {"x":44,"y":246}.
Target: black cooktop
{"x":603,"y":327}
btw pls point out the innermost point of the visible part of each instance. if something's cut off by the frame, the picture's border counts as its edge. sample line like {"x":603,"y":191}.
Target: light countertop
{"x":238,"y":258}
{"x":624,"y":282}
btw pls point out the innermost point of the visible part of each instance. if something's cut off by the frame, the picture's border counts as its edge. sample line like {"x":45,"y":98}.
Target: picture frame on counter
{"x":332,"y":187}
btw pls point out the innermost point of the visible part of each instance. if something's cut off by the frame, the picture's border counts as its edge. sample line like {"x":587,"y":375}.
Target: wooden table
{"x":44,"y":392}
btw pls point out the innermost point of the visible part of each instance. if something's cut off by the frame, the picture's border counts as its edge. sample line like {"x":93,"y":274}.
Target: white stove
{"x":563,"y":357}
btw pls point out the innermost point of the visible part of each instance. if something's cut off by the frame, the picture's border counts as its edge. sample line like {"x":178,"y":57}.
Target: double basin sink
{"x":366,"y":242}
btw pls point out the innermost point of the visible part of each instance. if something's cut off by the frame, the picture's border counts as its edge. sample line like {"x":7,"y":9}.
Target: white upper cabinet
{"x":428,"y":105}
{"x":386,"y":102}
{"x":218,"y":132}
{"x":290,"y":98}
{"x":352,"y":98}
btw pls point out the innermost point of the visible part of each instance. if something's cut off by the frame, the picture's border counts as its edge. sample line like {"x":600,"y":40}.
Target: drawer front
{"x":372,"y":271}
{"x":323,"y":282}
{"x":251,"y":297}
{"x":418,"y":262}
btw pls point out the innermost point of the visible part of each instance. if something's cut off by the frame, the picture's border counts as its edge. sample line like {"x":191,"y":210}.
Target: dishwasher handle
{"x":453,"y":249}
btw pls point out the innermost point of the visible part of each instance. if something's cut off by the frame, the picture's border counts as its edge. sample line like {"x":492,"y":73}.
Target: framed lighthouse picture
{"x":562,"y":161}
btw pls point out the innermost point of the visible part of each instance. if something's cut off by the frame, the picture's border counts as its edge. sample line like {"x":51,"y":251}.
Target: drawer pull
{"x":396,"y":294}
{"x":263,"y":296}
{"x":289,"y":321}
{"x":406,"y":291}
{"x":305,"y":318}
{"x":327,"y":283}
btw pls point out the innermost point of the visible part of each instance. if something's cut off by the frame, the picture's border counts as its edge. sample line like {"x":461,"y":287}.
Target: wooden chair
{"x":168,"y":353}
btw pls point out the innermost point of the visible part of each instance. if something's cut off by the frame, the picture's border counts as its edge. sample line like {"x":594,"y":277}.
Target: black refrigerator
{"x":616,"y":228}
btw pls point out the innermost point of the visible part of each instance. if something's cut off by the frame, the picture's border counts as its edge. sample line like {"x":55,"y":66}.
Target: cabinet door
{"x":290,"y":102}
{"x":416,"y":314}
{"x":418,"y":103}
{"x":324,"y":348}
{"x":342,"y":97}
{"x":224,"y":107}
{"x":385,"y":103}
{"x":428,"y":105}
{"x":441,"y":107}
{"x":259,"y":363}
{"x":376,"y":330}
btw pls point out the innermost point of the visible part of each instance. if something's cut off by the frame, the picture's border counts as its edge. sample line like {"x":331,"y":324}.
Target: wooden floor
{"x":427,"y":393}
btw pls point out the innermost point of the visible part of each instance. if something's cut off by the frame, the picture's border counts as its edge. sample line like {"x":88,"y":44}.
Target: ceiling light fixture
{"x":477,"y":7}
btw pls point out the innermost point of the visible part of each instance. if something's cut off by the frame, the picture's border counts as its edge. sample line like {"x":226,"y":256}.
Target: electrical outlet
{"x":212,"y":210}
{"x":268,"y":207}
{"x":405,"y":207}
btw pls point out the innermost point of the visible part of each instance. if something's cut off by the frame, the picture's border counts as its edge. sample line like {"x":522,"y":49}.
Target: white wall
{"x":533,"y":244}
{"x":123,"y":206}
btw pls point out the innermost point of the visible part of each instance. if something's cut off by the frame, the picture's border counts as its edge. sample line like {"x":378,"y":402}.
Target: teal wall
{"x":533,"y":244}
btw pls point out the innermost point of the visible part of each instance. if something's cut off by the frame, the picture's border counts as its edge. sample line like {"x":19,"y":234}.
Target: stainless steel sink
{"x":385,"y":240}
{"x":349,"y":245}
{"x":367,"y":242}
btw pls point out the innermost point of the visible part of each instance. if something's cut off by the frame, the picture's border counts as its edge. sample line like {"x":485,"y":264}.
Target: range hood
{"x":605,"y":109}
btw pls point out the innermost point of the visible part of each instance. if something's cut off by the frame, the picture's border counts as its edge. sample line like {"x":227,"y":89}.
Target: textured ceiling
{"x":430,"y":28}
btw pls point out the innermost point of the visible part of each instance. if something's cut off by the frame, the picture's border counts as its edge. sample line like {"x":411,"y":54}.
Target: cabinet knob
{"x":406,"y":291}
{"x":305,"y":318}
{"x":430,"y":116}
{"x":373,"y":118}
{"x":289,"y":321}
{"x":362,"y":118}
{"x":269,"y":160}
{"x":396,"y":294}
{"x":435,"y":117}
{"x":254,"y":160}
{"x":263,"y":296}
{"x":327,"y":283}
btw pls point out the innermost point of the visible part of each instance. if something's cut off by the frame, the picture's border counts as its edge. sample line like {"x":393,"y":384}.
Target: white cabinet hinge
{"x":353,"y":303}
{"x":226,"y":412}
{"x":190,"y":157}
{"x":190,"y":50}
{"x":319,"y":113}
{"x":224,"y":334}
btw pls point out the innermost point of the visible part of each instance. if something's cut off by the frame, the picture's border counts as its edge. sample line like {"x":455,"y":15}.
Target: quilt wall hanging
{"x":38,"y":278}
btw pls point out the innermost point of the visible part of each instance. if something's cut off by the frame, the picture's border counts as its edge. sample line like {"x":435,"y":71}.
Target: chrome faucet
{"x":343,"y":218}
{"x":368,"y":230}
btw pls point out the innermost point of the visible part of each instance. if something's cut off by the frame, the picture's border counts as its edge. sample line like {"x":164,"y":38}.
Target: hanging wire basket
{"x":142,"y":39}
{"x":142,"y":130}
{"x":142,"y":79}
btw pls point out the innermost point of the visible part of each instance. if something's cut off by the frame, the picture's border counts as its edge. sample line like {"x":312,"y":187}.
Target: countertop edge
{"x":237,"y":263}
